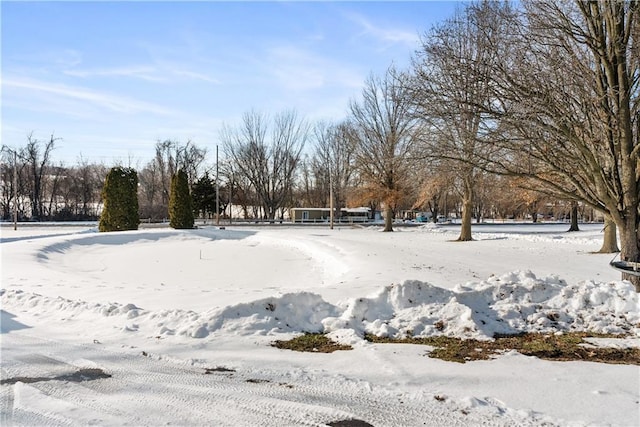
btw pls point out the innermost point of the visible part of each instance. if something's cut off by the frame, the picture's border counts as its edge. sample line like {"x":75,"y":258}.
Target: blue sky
{"x":112,"y":78}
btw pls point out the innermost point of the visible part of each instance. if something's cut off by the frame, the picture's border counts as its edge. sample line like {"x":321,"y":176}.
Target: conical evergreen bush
{"x":120,"y":198}
{"x":180,"y":203}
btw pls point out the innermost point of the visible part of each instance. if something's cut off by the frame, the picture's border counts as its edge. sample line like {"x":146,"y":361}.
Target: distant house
{"x":309,"y":214}
{"x":347,"y":215}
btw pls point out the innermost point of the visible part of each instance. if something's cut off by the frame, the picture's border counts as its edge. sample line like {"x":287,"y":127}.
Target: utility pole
{"x":15,"y":190}
{"x":330,"y":199}
{"x":230,"y":192}
{"x":217,"y":190}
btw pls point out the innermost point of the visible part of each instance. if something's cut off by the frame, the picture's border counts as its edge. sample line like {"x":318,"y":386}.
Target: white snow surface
{"x":182,"y":322}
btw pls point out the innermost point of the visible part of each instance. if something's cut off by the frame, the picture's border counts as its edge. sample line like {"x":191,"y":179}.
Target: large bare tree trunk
{"x":630,"y":241}
{"x":388,"y":218}
{"x":467,"y":210}
{"x":574,"y":217}
{"x":610,"y":241}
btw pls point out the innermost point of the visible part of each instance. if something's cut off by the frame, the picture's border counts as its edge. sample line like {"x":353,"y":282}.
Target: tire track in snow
{"x":142,"y":384}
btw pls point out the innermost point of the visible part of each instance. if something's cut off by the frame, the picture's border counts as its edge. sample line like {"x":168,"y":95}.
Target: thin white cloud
{"x":106,"y":101}
{"x":160,"y":73}
{"x":300,"y":69}
{"x":67,"y":58}
{"x":295,"y":68}
{"x":195,"y":76}
{"x":143,"y":72}
{"x":384,"y":35}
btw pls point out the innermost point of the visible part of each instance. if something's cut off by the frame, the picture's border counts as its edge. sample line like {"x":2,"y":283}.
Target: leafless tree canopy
{"x":267,"y":153}
{"x":576,"y":111}
{"x":37,"y":159}
{"x":155,"y":177}
{"x":451,"y":90}
{"x":559,"y":104}
{"x":333,"y":162}
{"x":386,"y":133}
{"x":38,"y":189}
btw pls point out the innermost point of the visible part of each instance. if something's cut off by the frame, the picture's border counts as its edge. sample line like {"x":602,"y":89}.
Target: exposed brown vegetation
{"x":561,"y":347}
{"x":315,"y":343}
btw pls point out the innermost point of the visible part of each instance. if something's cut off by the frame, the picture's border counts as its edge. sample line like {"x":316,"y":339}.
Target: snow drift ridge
{"x":513,"y":303}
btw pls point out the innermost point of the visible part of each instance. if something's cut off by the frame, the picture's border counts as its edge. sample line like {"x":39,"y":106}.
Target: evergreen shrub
{"x":120,"y":198}
{"x":180,"y":203}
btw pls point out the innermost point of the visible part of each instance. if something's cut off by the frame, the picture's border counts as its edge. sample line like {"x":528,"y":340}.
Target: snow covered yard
{"x":160,"y":326}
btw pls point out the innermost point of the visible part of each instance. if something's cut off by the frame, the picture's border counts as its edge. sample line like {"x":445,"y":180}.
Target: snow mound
{"x":293,"y":312}
{"x":513,"y":303}
{"x":46,"y":306}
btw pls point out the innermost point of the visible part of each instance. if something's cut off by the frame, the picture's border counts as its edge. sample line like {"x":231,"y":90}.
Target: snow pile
{"x":513,"y":303}
{"x":46,"y":306}
{"x":293,"y":312}
{"x":520,"y":302}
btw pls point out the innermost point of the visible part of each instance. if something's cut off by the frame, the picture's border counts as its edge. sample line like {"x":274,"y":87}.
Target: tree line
{"x":505,"y":110}
{"x":46,"y":191}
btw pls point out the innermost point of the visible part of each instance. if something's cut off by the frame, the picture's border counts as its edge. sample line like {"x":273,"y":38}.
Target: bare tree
{"x":151,"y":192}
{"x":88,"y":182}
{"x":172,"y":156}
{"x":386,"y":133}
{"x":333,"y":163}
{"x":267,"y":160}
{"x":155,"y":177}
{"x":451,"y":89}
{"x":434,"y":182}
{"x":37,"y":159}
{"x":566,"y":97}
{"x":241,"y":192}
{"x":51,"y":186}
{"x":313,"y":186}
